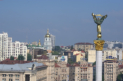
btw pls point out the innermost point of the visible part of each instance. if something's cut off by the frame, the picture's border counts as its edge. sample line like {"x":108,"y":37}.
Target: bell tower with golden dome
{"x":47,"y":41}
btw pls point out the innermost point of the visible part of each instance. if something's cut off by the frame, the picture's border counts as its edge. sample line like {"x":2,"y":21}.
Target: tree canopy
{"x":71,"y":47}
{"x":21,"y":57}
{"x":11,"y":58}
{"x":70,"y":61}
{"x":94,"y":63}
{"x":57,"y":48}
{"x":120,"y":77}
{"x":29,"y":57}
{"x":55,"y":53}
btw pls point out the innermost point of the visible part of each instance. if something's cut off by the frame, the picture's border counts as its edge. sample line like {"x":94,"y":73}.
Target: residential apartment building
{"x":61,"y":71}
{"x":51,"y":66}
{"x":24,"y":71}
{"x":83,"y":46}
{"x":110,"y":70}
{"x":9,"y":48}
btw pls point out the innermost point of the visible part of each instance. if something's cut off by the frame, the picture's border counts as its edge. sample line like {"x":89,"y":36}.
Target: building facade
{"x":91,"y":56}
{"x":32,"y":71}
{"x":9,"y":48}
{"x":110,"y":70}
{"x":83,"y":46}
{"x":51,"y":66}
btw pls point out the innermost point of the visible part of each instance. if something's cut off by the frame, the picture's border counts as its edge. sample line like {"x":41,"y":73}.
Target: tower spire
{"x":47,"y":31}
{"x":39,"y":43}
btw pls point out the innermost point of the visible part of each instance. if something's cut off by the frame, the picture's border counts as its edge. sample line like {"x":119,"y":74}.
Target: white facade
{"x":63,"y":58}
{"x":111,"y":44}
{"x":9,"y":48}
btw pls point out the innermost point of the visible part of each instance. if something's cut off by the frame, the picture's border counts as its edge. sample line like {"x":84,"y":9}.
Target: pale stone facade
{"x":84,"y":71}
{"x":110,"y":70}
{"x":83,"y":46}
{"x":50,"y":69}
{"x":61,"y":71}
{"x":14,"y":72}
{"x":91,"y":56}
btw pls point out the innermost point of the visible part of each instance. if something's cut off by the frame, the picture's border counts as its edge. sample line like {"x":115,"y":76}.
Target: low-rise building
{"x":22,"y":71}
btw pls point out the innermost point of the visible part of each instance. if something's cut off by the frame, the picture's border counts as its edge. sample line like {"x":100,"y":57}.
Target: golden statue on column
{"x":98,"y":21}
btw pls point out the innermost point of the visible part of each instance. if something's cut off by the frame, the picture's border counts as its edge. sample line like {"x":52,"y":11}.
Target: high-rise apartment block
{"x":110,"y":70}
{"x":9,"y":48}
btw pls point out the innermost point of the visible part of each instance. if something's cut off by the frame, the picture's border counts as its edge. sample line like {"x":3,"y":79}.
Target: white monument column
{"x":99,"y":47}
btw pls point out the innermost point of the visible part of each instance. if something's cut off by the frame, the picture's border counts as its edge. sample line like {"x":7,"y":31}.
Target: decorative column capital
{"x":99,"y":44}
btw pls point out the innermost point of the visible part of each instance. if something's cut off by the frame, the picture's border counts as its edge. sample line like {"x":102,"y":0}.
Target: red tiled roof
{"x":14,"y":62}
{"x":82,"y":51}
{"x":7,"y":59}
{"x":56,"y":65}
{"x":76,"y":64}
{"x":81,"y":43}
{"x":120,"y":66}
{"x":78,"y":54}
{"x":73,"y":65}
{"x":43,"y":57}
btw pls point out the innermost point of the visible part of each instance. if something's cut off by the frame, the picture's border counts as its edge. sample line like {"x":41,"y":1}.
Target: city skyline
{"x":69,"y":21}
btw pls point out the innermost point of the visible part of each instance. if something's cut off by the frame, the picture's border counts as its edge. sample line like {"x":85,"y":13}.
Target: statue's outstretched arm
{"x":103,"y":17}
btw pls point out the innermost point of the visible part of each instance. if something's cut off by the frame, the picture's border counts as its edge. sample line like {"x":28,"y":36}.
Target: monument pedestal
{"x":99,"y":47}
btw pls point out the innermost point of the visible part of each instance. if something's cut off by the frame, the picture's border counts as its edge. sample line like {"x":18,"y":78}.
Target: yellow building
{"x":91,"y":56}
{"x":79,"y":54}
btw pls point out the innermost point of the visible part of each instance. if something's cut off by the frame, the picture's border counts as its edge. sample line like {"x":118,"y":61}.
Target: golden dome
{"x":47,"y":35}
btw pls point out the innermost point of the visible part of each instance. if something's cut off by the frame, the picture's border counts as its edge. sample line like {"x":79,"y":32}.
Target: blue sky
{"x":69,"y":20}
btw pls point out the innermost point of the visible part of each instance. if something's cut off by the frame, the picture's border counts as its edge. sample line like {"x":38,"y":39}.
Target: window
{"x":4,"y":75}
{"x":16,"y":79}
{"x":10,"y":80}
{"x":10,"y":75}
{"x":17,"y":75}
{"x":3,"y":79}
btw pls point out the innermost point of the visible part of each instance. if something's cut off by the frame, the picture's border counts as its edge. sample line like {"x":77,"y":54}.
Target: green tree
{"x":11,"y":58}
{"x":79,"y":49}
{"x":55,"y":53}
{"x":71,"y":47}
{"x":21,"y":57}
{"x":29,"y":57}
{"x":57,"y":48}
{"x":94,"y":63}
{"x":86,"y":55}
{"x":70,"y":61}
{"x":120,"y":77}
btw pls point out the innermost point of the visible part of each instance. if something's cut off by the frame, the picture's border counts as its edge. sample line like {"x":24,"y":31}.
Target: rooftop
{"x":20,"y":67}
{"x":82,"y":43}
{"x":43,"y":57}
